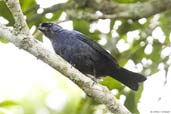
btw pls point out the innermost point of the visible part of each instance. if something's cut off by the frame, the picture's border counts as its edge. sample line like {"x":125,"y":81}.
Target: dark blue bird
{"x":88,"y":56}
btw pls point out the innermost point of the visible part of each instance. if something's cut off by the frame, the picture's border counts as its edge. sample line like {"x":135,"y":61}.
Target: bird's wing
{"x":96,"y":46}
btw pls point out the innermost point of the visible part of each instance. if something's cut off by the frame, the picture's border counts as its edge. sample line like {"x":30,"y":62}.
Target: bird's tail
{"x":128,"y":78}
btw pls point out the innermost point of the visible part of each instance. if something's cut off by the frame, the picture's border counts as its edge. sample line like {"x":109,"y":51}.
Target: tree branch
{"x":109,"y":9}
{"x":133,"y":9}
{"x":54,"y":8}
{"x":20,"y":23}
{"x":26,"y":41}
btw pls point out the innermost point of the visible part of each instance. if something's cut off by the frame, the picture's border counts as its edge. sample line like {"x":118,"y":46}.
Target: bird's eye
{"x":46,"y":24}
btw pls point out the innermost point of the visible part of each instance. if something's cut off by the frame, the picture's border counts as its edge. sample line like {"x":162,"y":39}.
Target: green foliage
{"x":84,"y":26}
{"x":7,"y":103}
{"x":132,"y":100}
{"x":111,"y":83}
{"x":25,"y":5}
{"x":86,"y":106}
{"x":4,"y":12}
{"x":128,"y":25}
{"x":165,"y":23}
{"x":155,"y":56}
{"x":3,"y":40}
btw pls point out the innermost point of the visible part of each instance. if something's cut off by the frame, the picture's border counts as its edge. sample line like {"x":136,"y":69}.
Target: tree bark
{"x":108,"y":8}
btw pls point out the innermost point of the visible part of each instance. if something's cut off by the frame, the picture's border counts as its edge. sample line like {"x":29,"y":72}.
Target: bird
{"x":88,"y":56}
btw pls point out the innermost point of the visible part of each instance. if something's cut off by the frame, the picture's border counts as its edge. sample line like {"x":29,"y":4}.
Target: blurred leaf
{"x":55,"y":17}
{"x":94,"y":36}
{"x":86,"y":106}
{"x":41,"y":18}
{"x":29,"y":8}
{"x":8,"y":103}
{"x":26,"y":4}
{"x":155,"y":55}
{"x":135,"y":53}
{"x":128,"y":25}
{"x":81,"y":25}
{"x":2,"y":112}
{"x":123,"y":61}
{"x":3,"y":40}
{"x":4,"y":12}
{"x":111,"y":83}
{"x":112,"y":21}
{"x":38,"y":35}
{"x":132,"y":99}
{"x":165,"y":23}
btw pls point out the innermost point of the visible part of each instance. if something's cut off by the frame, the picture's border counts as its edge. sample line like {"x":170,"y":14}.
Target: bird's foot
{"x":93,"y":78}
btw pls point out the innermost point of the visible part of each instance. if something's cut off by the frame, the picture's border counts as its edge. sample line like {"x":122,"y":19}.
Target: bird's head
{"x":49,"y":29}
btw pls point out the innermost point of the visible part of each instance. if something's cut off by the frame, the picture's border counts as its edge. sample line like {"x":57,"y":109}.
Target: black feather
{"x":88,"y":56}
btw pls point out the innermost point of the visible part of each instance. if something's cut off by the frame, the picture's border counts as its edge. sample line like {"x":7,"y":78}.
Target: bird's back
{"x":83,"y":53}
